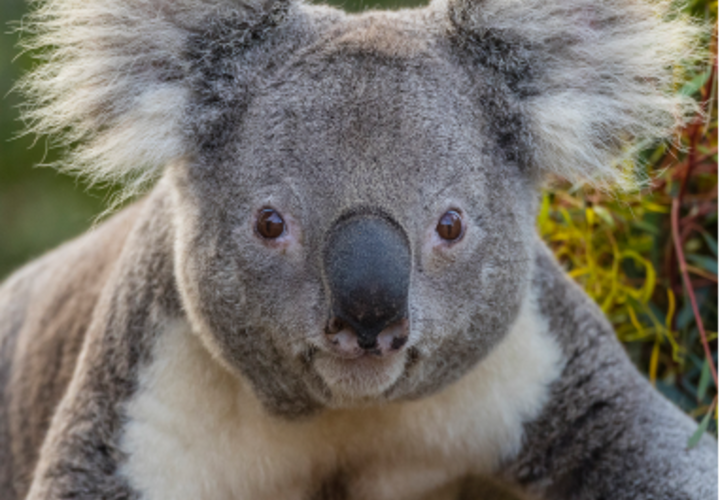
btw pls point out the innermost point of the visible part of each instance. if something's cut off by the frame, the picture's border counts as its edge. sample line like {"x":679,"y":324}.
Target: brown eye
{"x":450,"y":226}
{"x":269,"y":224}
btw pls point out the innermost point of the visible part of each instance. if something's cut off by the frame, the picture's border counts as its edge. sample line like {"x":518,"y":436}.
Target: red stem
{"x":677,"y":240}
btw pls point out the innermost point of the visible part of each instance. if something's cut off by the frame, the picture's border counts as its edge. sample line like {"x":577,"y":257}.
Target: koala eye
{"x":450,"y":226}
{"x":270,"y":224}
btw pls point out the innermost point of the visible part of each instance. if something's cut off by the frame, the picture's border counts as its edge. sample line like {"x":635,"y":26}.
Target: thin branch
{"x":678,"y":242}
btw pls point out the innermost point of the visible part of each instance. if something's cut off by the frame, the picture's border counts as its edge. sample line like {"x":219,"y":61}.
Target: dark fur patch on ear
{"x":506,"y":53}
{"x":226,"y":57}
{"x":117,"y":76}
{"x":503,"y":77}
{"x":508,"y":124}
{"x":216,"y":52}
{"x":594,"y":78}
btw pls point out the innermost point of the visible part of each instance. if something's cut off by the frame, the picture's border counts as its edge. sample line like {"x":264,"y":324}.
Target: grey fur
{"x":79,"y":457}
{"x":243,"y":105}
{"x":49,"y":304}
{"x":603,"y":420}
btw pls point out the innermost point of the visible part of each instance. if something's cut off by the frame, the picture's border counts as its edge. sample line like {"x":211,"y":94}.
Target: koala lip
{"x":353,"y":373}
{"x":345,"y":343}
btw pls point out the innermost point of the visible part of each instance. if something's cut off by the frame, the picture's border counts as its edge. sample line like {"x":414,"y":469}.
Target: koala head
{"x":354,"y":195}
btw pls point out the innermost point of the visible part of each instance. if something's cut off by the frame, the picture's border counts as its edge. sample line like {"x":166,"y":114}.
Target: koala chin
{"x":334,"y":289}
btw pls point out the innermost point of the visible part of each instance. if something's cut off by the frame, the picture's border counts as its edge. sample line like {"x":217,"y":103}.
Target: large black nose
{"x":367,"y":264}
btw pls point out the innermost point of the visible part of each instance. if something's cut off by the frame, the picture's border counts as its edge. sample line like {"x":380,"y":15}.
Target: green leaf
{"x":704,"y":381}
{"x":694,"y":85}
{"x":674,"y":189}
{"x":708,"y":263}
{"x":698,"y":434}
{"x":603,"y":213}
{"x":645,"y":226}
{"x":544,"y":210}
{"x":686,"y":316}
{"x":711,"y":243}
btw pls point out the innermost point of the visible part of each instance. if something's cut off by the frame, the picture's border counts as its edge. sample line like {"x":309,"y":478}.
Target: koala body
{"x":335,"y":290}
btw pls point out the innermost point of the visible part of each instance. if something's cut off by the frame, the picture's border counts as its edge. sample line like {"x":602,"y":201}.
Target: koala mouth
{"x":343,"y":342}
{"x":363,"y":379}
{"x":354,"y":373}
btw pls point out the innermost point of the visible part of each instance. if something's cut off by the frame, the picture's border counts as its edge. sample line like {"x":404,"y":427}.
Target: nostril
{"x":398,"y":342}
{"x":342,"y":334}
{"x":335,"y":325}
{"x":394,"y":337}
{"x":351,"y":341}
{"x":363,"y":338}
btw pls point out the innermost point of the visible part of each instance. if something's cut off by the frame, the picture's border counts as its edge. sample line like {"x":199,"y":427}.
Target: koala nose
{"x":367,"y":264}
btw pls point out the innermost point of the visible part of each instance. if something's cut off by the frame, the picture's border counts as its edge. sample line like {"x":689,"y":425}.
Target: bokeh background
{"x":648,"y":258}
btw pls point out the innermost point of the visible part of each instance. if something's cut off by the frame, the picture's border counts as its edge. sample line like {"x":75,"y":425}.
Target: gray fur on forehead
{"x":367,"y":81}
{"x":572,"y":85}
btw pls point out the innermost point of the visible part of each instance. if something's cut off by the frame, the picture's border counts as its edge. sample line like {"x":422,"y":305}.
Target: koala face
{"x":361,"y":236}
{"x":354,"y":195}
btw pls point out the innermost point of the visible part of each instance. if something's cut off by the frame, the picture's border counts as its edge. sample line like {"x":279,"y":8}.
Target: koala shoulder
{"x":46,"y":309}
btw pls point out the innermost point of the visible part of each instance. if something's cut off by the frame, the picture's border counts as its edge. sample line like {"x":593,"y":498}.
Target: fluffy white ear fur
{"x":114,"y":80}
{"x":603,"y":73}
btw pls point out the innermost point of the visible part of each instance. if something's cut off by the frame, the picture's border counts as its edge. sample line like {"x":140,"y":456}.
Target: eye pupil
{"x":450,"y":226}
{"x":270,"y":224}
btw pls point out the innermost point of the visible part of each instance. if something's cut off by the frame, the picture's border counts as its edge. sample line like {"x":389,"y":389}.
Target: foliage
{"x":620,"y":248}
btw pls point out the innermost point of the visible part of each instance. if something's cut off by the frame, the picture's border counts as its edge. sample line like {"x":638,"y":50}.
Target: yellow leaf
{"x":544,"y":212}
{"x":654,"y":362}
{"x":634,"y":320}
{"x":649,"y":285}
{"x":590,"y":216}
{"x":603,"y":213}
{"x":671,"y":309}
{"x":654,"y":207}
{"x":579,"y":272}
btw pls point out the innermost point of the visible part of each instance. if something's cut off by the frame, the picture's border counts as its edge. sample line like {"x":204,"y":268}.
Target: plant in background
{"x":649,"y":258}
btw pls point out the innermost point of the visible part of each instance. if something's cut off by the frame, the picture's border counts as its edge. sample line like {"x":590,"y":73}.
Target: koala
{"x":334,"y":289}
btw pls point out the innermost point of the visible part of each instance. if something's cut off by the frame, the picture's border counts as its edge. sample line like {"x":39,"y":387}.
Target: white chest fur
{"x":196,"y":432}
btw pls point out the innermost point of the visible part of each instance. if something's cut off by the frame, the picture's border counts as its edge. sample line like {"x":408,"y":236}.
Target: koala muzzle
{"x":367,"y":263}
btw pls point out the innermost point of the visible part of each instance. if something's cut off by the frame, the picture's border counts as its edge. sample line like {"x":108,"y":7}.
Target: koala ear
{"x":116,"y":74}
{"x":593,"y":78}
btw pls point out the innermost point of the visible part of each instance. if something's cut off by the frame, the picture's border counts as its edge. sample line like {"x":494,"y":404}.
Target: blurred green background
{"x":38,"y":207}
{"x":619,"y":246}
